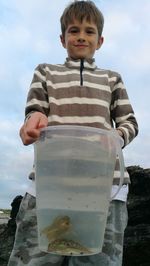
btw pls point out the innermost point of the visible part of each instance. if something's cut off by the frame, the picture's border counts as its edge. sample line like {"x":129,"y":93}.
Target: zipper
{"x":81,"y":71}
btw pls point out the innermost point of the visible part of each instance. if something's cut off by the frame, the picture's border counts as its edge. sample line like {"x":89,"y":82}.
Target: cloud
{"x":139,"y":59}
{"x":16,"y":162}
{"x":126,"y":33}
{"x":135,"y":153}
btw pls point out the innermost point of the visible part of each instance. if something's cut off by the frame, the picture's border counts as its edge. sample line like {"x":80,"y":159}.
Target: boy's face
{"x":81,"y":40}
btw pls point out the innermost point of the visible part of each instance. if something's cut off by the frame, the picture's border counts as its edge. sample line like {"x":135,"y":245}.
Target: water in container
{"x":74,"y":168}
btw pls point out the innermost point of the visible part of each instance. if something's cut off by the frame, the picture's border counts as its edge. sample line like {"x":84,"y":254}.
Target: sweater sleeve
{"x":121,"y":110}
{"x":37,"y":99}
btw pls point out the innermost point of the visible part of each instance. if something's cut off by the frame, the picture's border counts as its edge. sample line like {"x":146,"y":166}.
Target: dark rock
{"x":15,"y":207}
{"x":7,"y":232}
{"x":137,"y":233}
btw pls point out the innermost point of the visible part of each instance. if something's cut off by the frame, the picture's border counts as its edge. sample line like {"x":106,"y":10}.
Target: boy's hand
{"x":120,"y":133}
{"x":30,"y":131}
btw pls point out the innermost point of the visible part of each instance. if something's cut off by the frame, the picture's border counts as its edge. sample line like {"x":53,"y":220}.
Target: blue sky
{"x":29,"y":35}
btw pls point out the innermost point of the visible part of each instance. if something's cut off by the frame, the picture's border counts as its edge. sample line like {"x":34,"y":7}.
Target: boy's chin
{"x":80,"y":58}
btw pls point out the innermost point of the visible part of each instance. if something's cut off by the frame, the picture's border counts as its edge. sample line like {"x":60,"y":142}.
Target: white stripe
{"x":99,"y":74}
{"x":75,"y":71}
{"x":60,"y":73}
{"x":86,"y":64}
{"x":120,"y":102}
{"x":117,"y":174}
{"x":78,"y":119}
{"x":40,"y":75}
{"x":129,"y":125}
{"x":112,"y":79}
{"x":126,"y":133}
{"x":37,"y":102}
{"x":132,"y":128}
{"x":77,"y":83}
{"x":74,"y":63}
{"x":119,"y":85}
{"x":35,"y":85}
{"x":123,"y":118}
{"x":77,"y":100}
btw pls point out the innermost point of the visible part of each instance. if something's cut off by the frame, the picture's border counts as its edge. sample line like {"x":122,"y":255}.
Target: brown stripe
{"x":78,"y":91}
{"x":78,"y":110}
{"x":56,"y":79}
{"x":96,"y":125}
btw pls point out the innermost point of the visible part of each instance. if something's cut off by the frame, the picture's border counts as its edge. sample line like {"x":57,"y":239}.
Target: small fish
{"x":67,"y":247}
{"x":59,"y":226}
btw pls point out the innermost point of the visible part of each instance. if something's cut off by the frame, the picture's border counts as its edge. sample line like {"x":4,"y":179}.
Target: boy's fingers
{"x":36,"y":121}
{"x":43,"y":122}
{"x":26,"y":139}
{"x":33,"y":133}
{"x":30,"y":131}
{"x":32,"y":123}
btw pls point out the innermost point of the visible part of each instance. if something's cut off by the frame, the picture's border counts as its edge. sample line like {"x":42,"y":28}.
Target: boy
{"x":76,"y":93}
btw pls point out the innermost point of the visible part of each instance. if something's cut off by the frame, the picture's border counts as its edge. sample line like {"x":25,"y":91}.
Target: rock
{"x":7,"y":232}
{"x":137,"y":233}
{"x":15,"y":207}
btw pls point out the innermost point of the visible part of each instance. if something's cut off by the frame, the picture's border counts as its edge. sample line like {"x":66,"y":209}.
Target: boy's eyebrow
{"x":72,"y":26}
{"x":76,"y":27}
{"x":90,"y":28}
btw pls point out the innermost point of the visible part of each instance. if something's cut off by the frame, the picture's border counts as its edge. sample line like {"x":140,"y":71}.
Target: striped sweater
{"x":79,"y":93}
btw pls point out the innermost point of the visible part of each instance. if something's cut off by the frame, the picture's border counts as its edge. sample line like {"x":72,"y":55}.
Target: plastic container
{"x":74,"y":168}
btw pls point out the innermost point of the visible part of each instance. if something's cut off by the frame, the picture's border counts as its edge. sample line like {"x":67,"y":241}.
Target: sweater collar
{"x":88,"y":64}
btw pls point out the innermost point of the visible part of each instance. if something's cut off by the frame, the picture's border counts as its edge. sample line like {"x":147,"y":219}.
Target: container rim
{"x":78,"y":127}
{"x":87,"y":129}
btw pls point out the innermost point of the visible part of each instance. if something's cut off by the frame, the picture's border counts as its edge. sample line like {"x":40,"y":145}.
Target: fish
{"x":67,"y":247}
{"x":60,"y":226}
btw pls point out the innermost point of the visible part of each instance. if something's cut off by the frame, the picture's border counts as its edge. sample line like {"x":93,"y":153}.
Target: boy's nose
{"x":81,"y":37}
{"x":81,"y":40}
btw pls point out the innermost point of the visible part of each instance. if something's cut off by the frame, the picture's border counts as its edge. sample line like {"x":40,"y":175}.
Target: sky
{"x":29,"y":35}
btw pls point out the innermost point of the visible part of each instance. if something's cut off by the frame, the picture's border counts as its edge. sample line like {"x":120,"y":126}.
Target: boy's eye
{"x":90,"y":31}
{"x":73,"y":30}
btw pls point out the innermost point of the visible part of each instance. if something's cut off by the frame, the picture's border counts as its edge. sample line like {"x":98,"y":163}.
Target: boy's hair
{"x":81,"y":10}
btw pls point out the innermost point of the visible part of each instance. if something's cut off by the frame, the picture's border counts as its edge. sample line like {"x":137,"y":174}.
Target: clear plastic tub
{"x":74,"y":169}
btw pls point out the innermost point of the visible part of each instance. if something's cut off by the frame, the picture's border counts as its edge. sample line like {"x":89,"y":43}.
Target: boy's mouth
{"x":81,"y":45}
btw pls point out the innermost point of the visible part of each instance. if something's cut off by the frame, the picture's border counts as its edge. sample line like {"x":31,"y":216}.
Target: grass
{"x":6,"y":211}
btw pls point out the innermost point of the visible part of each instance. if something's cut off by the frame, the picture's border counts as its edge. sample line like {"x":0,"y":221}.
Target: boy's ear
{"x":100,"y":42}
{"x":62,"y":39}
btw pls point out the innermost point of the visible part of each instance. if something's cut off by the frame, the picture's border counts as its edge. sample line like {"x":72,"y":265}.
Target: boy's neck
{"x":80,"y":63}
{"x":89,"y":60}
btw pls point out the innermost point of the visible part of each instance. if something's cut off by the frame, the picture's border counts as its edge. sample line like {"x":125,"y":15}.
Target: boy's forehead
{"x":77,"y":22}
